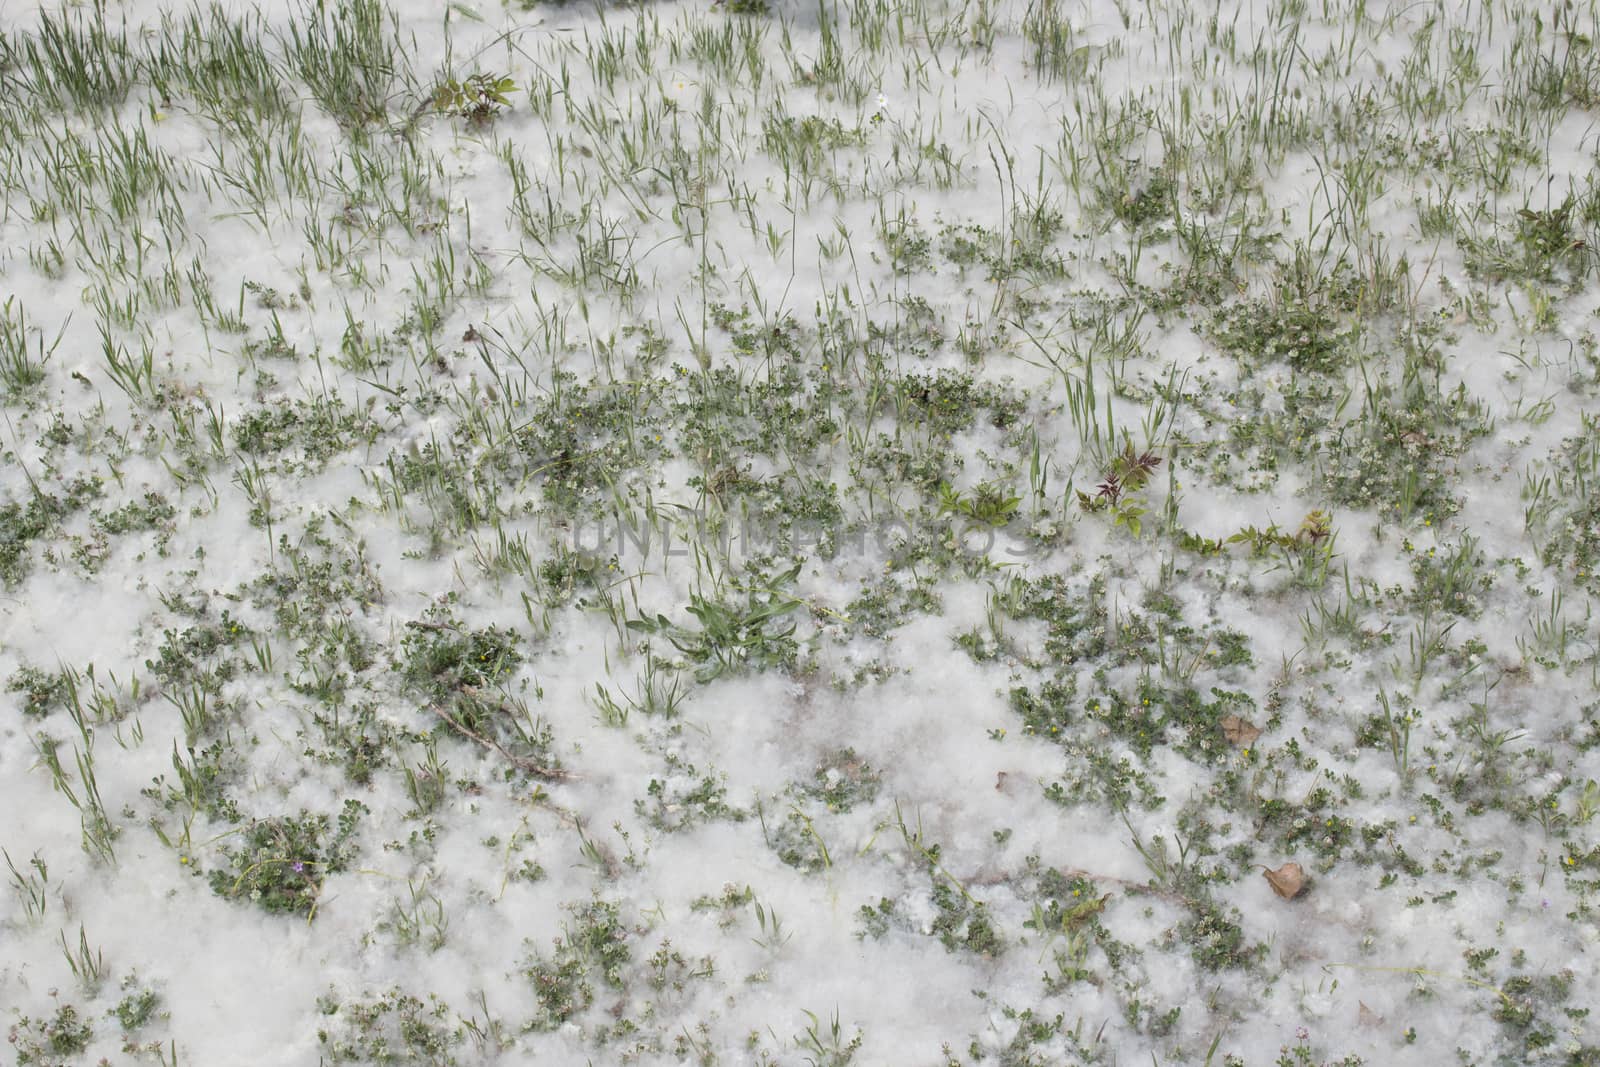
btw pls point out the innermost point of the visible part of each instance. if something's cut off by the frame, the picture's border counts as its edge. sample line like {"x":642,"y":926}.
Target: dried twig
{"x":434,"y":627}
{"x":1128,"y":885}
{"x":538,"y":770}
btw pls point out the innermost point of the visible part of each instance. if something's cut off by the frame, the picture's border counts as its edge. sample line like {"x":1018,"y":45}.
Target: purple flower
{"x":299,"y":868}
{"x":1301,"y":1033}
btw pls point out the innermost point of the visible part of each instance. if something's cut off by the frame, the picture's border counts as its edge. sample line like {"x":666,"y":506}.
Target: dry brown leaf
{"x":1288,"y":881}
{"x":1083,"y":911}
{"x":1365,"y":1016}
{"x":1239,"y":731}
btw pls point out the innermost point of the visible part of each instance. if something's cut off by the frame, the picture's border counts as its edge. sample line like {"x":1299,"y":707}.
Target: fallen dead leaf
{"x":1288,"y":881}
{"x":1083,"y":911}
{"x":1365,"y":1016}
{"x":1239,"y":731}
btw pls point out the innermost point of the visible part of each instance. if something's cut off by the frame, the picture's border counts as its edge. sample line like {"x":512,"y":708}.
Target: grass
{"x":624,"y":526}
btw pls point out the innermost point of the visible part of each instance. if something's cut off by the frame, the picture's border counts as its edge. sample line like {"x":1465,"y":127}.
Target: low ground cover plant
{"x":614,"y":533}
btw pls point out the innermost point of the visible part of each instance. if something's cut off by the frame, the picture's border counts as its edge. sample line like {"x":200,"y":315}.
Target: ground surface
{"x":912,"y":534}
